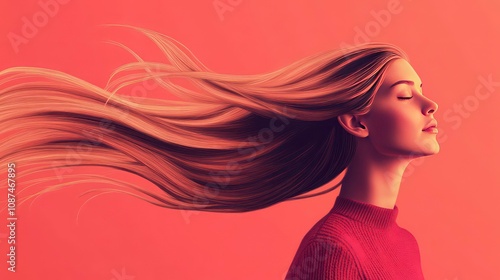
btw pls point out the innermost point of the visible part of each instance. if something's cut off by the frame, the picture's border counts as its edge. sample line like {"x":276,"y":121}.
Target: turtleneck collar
{"x":365,"y":213}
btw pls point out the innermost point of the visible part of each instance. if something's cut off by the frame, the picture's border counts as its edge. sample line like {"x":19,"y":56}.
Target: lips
{"x":431,"y":129}
{"x":430,"y":125}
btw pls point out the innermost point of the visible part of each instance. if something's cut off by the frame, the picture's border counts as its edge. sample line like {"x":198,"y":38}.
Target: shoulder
{"x":408,"y":239}
{"x":327,"y":251}
{"x":334,"y":228}
{"x":324,"y":259}
{"x":333,"y":231}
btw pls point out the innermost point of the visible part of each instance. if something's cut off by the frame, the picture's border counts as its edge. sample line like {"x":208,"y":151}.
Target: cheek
{"x":392,"y":127}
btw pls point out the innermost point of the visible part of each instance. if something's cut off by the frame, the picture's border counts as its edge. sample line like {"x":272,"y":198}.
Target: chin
{"x":427,"y":148}
{"x":410,"y":150}
{"x":428,"y":151}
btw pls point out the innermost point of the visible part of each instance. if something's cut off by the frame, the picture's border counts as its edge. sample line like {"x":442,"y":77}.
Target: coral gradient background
{"x":449,"y":201}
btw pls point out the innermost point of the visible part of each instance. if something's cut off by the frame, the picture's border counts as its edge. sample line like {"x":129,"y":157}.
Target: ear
{"x":353,"y":124}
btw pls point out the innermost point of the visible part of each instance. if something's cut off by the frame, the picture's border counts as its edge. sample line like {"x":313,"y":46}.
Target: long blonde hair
{"x":237,"y":143}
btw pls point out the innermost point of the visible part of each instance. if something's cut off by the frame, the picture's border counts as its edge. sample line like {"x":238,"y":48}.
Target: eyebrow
{"x":404,"y":82}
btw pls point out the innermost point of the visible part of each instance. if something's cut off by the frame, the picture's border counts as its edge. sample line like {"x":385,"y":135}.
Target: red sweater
{"x":356,"y":240}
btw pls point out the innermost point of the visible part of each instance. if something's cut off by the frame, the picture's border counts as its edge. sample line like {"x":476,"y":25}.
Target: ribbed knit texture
{"x":357,"y":240}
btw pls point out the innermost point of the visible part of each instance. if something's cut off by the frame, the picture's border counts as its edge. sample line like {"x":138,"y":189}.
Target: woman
{"x":243,"y":142}
{"x":359,"y":237}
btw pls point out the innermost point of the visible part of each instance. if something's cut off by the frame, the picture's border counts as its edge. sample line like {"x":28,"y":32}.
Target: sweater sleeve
{"x":323,"y":260}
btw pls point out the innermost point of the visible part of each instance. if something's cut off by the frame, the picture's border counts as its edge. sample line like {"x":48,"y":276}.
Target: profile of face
{"x":400,"y":116}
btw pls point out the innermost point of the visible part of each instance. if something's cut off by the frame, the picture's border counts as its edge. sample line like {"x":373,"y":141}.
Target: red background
{"x":450,"y":201}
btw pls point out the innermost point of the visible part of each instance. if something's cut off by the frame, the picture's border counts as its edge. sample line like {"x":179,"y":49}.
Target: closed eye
{"x":405,"y":97}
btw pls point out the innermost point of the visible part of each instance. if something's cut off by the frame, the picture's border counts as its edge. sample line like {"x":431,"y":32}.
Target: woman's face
{"x":400,"y":113}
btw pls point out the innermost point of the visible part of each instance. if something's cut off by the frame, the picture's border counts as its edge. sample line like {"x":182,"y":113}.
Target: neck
{"x":373,"y":178}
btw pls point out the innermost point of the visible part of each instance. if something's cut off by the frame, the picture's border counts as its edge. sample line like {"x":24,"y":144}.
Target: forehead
{"x":398,"y":70}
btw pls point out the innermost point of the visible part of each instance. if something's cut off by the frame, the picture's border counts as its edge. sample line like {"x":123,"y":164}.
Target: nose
{"x":429,"y":106}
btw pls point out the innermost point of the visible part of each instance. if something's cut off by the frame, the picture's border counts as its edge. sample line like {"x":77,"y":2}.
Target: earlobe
{"x":353,"y":125}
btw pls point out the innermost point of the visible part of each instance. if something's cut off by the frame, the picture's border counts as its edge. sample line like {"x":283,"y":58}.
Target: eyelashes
{"x":405,"y":97}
